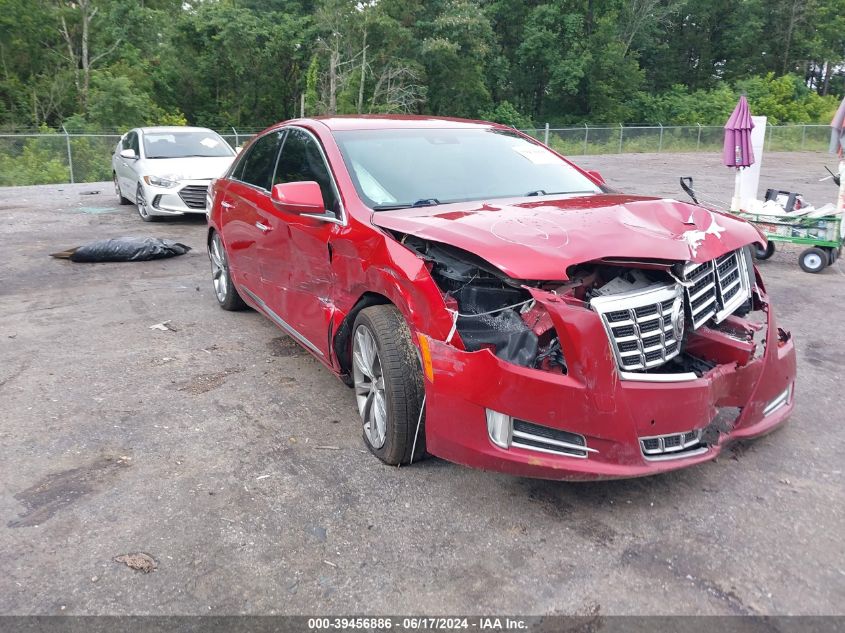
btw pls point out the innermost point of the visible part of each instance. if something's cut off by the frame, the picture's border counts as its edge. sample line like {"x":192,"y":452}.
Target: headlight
{"x":158,"y":181}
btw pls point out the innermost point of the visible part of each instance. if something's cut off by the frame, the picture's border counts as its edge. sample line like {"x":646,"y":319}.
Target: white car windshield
{"x":398,"y":168}
{"x":185,"y":144}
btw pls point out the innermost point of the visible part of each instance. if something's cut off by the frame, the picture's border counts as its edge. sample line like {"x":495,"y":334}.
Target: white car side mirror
{"x":128,"y":153}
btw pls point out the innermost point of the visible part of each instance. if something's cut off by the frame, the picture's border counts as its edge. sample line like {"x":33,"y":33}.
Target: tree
{"x":80,"y":14}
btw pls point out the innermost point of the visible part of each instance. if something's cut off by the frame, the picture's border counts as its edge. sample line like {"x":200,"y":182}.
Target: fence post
{"x":69,"y":154}
{"x":237,"y":138}
{"x":698,"y":144}
{"x":621,"y":131}
{"x":586,"y":136}
{"x":803,"y":136}
{"x":769,"y":133}
{"x":660,"y":143}
{"x":546,"y":137}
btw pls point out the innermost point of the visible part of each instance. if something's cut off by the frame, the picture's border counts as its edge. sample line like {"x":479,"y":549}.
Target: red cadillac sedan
{"x":494,"y":305}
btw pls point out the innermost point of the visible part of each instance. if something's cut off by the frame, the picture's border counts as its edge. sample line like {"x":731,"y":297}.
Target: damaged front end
{"x":632,"y":366}
{"x":490,"y":311}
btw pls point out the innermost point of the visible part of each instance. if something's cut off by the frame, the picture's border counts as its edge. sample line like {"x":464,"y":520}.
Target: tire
{"x":141,"y":206}
{"x":763,"y":254}
{"x":123,"y":201}
{"x":221,"y":280}
{"x":813,"y":260}
{"x":832,"y":255}
{"x":391,"y":359}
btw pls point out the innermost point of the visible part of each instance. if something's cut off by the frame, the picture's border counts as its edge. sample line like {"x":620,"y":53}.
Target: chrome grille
{"x":717,"y":288}
{"x":194,"y":196}
{"x":733,"y":274}
{"x":673,"y":445}
{"x":645,"y":326}
{"x":701,"y":292}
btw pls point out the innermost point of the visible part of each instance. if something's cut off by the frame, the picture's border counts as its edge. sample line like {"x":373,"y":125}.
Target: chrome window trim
{"x":344,"y":218}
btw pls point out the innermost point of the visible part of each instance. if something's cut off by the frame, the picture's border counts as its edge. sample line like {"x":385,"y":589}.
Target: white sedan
{"x":165,"y":171}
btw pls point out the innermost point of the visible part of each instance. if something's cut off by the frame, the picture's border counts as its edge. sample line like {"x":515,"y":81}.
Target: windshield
{"x":398,"y":168}
{"x":185,"y":144}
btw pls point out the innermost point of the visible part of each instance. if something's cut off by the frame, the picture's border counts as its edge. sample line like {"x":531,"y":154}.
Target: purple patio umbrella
{"x":737,"y":150}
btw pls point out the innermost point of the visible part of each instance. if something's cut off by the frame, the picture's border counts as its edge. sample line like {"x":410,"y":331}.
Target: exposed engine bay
{"x":660,"y":317}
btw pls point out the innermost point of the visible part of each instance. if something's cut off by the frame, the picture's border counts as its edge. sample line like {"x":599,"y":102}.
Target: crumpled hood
{"x":540,"y":239}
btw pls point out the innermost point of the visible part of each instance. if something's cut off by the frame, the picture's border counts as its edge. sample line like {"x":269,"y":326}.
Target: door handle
{"x":226,"y":205}
{"x":263,"y":227}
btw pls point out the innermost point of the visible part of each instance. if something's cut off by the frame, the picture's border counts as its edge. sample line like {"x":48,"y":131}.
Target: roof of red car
{"x":387,"y":121}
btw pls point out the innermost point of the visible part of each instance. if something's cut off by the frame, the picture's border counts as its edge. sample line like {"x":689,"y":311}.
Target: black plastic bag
{"x":124,"y":249}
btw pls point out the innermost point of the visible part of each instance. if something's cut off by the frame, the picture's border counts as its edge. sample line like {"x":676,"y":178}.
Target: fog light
{"x":781,"y":400}
{"x":499,"y":428}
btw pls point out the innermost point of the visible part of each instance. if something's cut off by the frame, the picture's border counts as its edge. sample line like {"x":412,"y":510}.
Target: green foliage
{"x":785,"y":99}
{"x":507,"y":114}
{"x":33,"y":161}
{"x":248,"y":63}
{"x":311,"y":81}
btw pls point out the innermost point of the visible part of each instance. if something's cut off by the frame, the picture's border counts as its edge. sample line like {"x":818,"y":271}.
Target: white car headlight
{"x":168,"y":182}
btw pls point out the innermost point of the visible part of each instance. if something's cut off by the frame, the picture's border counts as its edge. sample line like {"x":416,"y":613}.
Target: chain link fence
{"x":30,"y":158}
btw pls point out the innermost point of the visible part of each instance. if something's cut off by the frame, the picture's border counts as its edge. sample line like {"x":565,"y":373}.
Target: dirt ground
{"x":230,"y":464}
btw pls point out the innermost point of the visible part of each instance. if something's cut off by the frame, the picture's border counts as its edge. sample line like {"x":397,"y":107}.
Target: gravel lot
{"x":234,"y":460}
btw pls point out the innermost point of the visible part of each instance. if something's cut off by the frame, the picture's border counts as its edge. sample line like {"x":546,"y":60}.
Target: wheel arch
{"x":343,"y":334}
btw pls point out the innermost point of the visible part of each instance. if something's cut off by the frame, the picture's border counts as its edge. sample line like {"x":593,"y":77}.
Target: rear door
{"x":295,"y":259}
{"x":241,"y":217}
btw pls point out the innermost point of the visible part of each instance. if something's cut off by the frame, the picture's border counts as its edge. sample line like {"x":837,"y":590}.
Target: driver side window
{"x":130,"y":141}
{"x":302,"y":160}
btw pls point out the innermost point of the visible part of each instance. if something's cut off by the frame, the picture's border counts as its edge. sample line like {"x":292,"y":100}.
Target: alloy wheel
{"x":141,"y":203}
{"x":219,"y":268}
{"x":369,"y":386}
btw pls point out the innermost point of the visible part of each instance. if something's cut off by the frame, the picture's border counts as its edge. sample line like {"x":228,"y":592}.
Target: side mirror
{"x":298,"y":197}
{"x":592,"y":173}
{"x":128,"y":153}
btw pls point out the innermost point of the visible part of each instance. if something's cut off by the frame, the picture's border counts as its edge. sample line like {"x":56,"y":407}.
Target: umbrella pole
{"x":736,"y":203}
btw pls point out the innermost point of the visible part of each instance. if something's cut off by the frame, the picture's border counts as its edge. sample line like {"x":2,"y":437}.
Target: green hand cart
{"x":822,"y":235}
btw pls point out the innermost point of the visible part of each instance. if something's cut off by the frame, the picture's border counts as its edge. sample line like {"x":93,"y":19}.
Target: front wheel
{"x":813,"y":260}
{"x":388,"y":385}
{"x":141,"y":205}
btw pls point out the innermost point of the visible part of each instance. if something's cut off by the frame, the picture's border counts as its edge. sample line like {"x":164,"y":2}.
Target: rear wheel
{"x":388,"y":385}
{"x":764,"y":253}
{"x":832,"y":255}
{"x":117,"y":191}
{"x":813,"y":260}
{"x":224,"y":290}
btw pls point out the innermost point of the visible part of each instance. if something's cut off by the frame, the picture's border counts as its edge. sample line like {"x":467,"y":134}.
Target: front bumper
{"x":183,"y":199}
{"x":612,"y":414}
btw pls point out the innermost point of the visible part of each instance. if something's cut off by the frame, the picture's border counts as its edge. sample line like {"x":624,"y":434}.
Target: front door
{"x":295,"y":259}
{"x":126,"y":167}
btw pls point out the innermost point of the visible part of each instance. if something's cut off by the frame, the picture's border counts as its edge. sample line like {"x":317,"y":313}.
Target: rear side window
{"x":301,"y":160}
{"x":260,"y":161}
